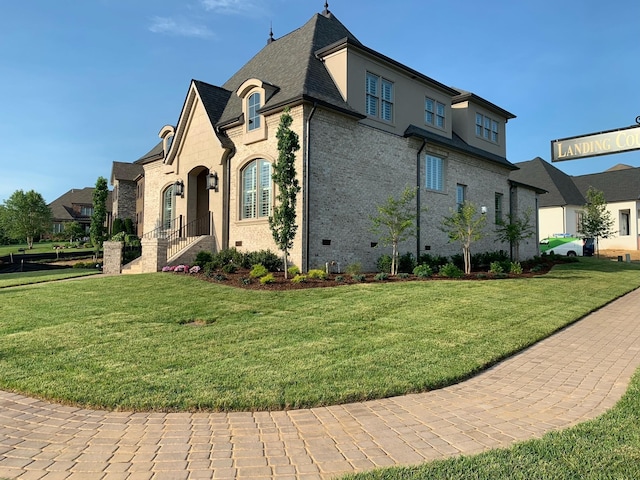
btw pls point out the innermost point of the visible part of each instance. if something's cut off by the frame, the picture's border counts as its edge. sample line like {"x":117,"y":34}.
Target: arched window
{"x":256,"y":190}
{"x":254,"y":106}
{"x":168,"y":200}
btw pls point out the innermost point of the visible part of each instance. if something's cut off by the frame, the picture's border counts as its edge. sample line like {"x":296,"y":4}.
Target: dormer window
{"x":379,"y":97}
{"x":252,"y":110}
{"x":486,"y":128}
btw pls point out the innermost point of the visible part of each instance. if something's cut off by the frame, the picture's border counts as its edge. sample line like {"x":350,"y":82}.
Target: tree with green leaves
{"x":514,"y":231}
{"x":98,"y":230}
{"x":283,"y":221}
{"x":395,"y":223}
{"x":25,"y":216}
{"x":73,"y":230}
{"x":596,"y":220}
{"x":465,"y":226}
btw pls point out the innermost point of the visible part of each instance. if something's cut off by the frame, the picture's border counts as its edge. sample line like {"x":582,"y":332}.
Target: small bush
{"x":268,"y":278}
{"x":317,"y":274}
{"x":353,"y":269}
{"x":229,"y":255}
{"x":271,"y":261}
{"x":434,"y":261}
{"x":515,"y":268}
{"x":230,"y":268}
{"x":244,"y":281}
{"x":403,"y":275}
{"x":501,"y":275}
{"x":537,"y":268}
{"x":496,"y":267}
{"x":339,"y":279}
{"x":406,"y":263}
{"x":219,"y":277}
{"x":383,"y":264}
{"x":299,"y":279}
{"x":358,"y":277}
{"x":202,"y":258}
{"x":450,"y":270}
{"x":293,"y":271}
{"x":259,"y":271}
{"x":423,"y":271}
{"x":209,"y":269}
{"x":381,"y":276}
{"x":481,"y":276}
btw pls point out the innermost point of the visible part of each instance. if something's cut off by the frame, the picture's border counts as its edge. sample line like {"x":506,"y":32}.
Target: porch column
{"x":154,"y":254}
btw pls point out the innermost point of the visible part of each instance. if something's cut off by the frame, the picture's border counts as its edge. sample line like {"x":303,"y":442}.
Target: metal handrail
{"x":181,"y":236}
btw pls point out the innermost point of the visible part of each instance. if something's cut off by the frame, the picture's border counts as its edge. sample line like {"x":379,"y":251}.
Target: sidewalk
{"x":572,"y":376}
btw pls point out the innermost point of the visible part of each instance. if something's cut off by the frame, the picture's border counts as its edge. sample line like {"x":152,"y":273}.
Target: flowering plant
{"x":195,"y":269}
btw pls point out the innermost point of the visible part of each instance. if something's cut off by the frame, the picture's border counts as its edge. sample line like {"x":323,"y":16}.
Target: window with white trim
{"x":461,"y":196}
{"x":435,"y":173}
{"x":86,"y":211}
{"x":253,"y":104}
{"x":486,"y":128}
{"x":434,"y":113}
{"x":379,"y":97}
{"x":168,"y":199}
{"x":257,"y":190}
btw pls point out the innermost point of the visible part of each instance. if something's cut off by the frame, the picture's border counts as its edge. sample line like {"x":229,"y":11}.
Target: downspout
{"x":230,"y":151}
{"x":306,"y":187}
{"x":418,"y":209}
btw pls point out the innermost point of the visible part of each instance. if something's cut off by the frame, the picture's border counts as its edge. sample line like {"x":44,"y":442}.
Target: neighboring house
{"x":368,"y":126}
{"x":561,"y":209}
{"x":75,"y":206}
{"x":124,"y":177}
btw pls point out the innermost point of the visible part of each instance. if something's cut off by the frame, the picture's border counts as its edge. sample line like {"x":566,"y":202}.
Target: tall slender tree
{"x":25,"y":216}
{"x":596,"y":219}
{"x":466,"y":227}
{"x":283,"y":221}
{"x":395,"y":223}
{"x":98,"y":229}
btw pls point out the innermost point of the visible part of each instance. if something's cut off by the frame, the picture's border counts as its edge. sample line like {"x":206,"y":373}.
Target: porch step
{"x":133,"y":267}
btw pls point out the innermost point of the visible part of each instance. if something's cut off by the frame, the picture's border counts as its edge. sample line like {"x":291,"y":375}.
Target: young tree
{"x":514,"y":231}
{"x":26,"y":216}
{"x":395,"y":223}
{"x":596,"y":219}
{"x":466,"y":227}
{"x":98,"y":230}
{"x":73,"y":230}
{"x":283,"y":221}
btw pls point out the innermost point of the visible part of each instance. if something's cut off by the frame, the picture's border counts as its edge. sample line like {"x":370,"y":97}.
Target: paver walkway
{"x":573,"y":376}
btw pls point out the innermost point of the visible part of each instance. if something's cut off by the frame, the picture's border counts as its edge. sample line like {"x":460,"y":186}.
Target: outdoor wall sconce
{"x":212,"y":181}
{"x":178,"y":188}
{"x":483,"y":210}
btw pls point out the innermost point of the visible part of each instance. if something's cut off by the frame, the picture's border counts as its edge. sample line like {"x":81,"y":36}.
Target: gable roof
{"x":155,"y":153}
{"x":290,"y":64}
{"x":127,"y":172}
{"x":62,"y":207}
{"x":617,"y":185}
{"x":561,"y":190}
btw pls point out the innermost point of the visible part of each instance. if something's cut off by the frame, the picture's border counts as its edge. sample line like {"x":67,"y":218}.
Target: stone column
{"x":112,"y":258}
{"x":154,"y":254}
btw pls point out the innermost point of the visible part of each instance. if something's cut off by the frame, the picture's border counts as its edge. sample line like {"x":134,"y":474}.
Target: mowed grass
{"x":29,"y":278}
{"x":172,"y":342}
{"x":604,"y":448}
{"x":38,"y":247}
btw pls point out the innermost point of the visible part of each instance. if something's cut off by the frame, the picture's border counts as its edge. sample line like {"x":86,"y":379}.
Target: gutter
{"x":306,"y":187}
{"x":418,"y":158}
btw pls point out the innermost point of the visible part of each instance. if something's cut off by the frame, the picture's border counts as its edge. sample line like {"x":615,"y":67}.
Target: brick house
{"x":76,"y":205}
{"x":368,"y":125}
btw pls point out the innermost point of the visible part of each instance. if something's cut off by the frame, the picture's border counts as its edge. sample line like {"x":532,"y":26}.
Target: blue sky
{"x":84,"y":83}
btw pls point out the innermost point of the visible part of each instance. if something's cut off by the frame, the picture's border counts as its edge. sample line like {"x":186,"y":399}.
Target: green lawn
{"x":173,"y":342}
{"x":28,"y":278}
{"x":605,"y":448}
{"x":38,"y":247}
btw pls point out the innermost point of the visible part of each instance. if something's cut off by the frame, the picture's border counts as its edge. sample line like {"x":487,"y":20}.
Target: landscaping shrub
{"x":268,"y":278}
{"x":317,"y":274}
{"x":339,"y":279}
{"x":383,"y":264}
{"x":353,"y":269}
{"x":482,"y":261}
{"x":403,"y":275}
{"x":433,"y":261}
{"x":219,"y":277}
{"x":423,"y":271}
{"x":270,"y":260}
{"x":202,"y":258}
{"x":496,"y":267}
{"x":450,"y":270}
{"x":293,"y":271}
{"x":259,"y":271}
{"x":230,"y":268}
{"x":229,"y":255}
{"x":515,"y":268}
{"x":358,"y":277}
{"x":406,"y":263}
{"x":299,"y":279}
{"x":381,"y":276}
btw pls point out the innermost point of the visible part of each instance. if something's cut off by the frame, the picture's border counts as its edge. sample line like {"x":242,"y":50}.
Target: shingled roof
{"x":617,"y":185}
{"x":560,"y":187}
{"x":289,"y":63}
{"x":62,"y":207}
{"x":127,"y":172}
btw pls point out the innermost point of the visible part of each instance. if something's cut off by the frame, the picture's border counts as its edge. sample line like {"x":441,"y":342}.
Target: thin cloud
{"x":230,"y":6}
{"x":183,"y":28}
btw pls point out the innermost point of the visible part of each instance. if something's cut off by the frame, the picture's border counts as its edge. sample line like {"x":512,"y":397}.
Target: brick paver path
{"x":573,"y":376}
